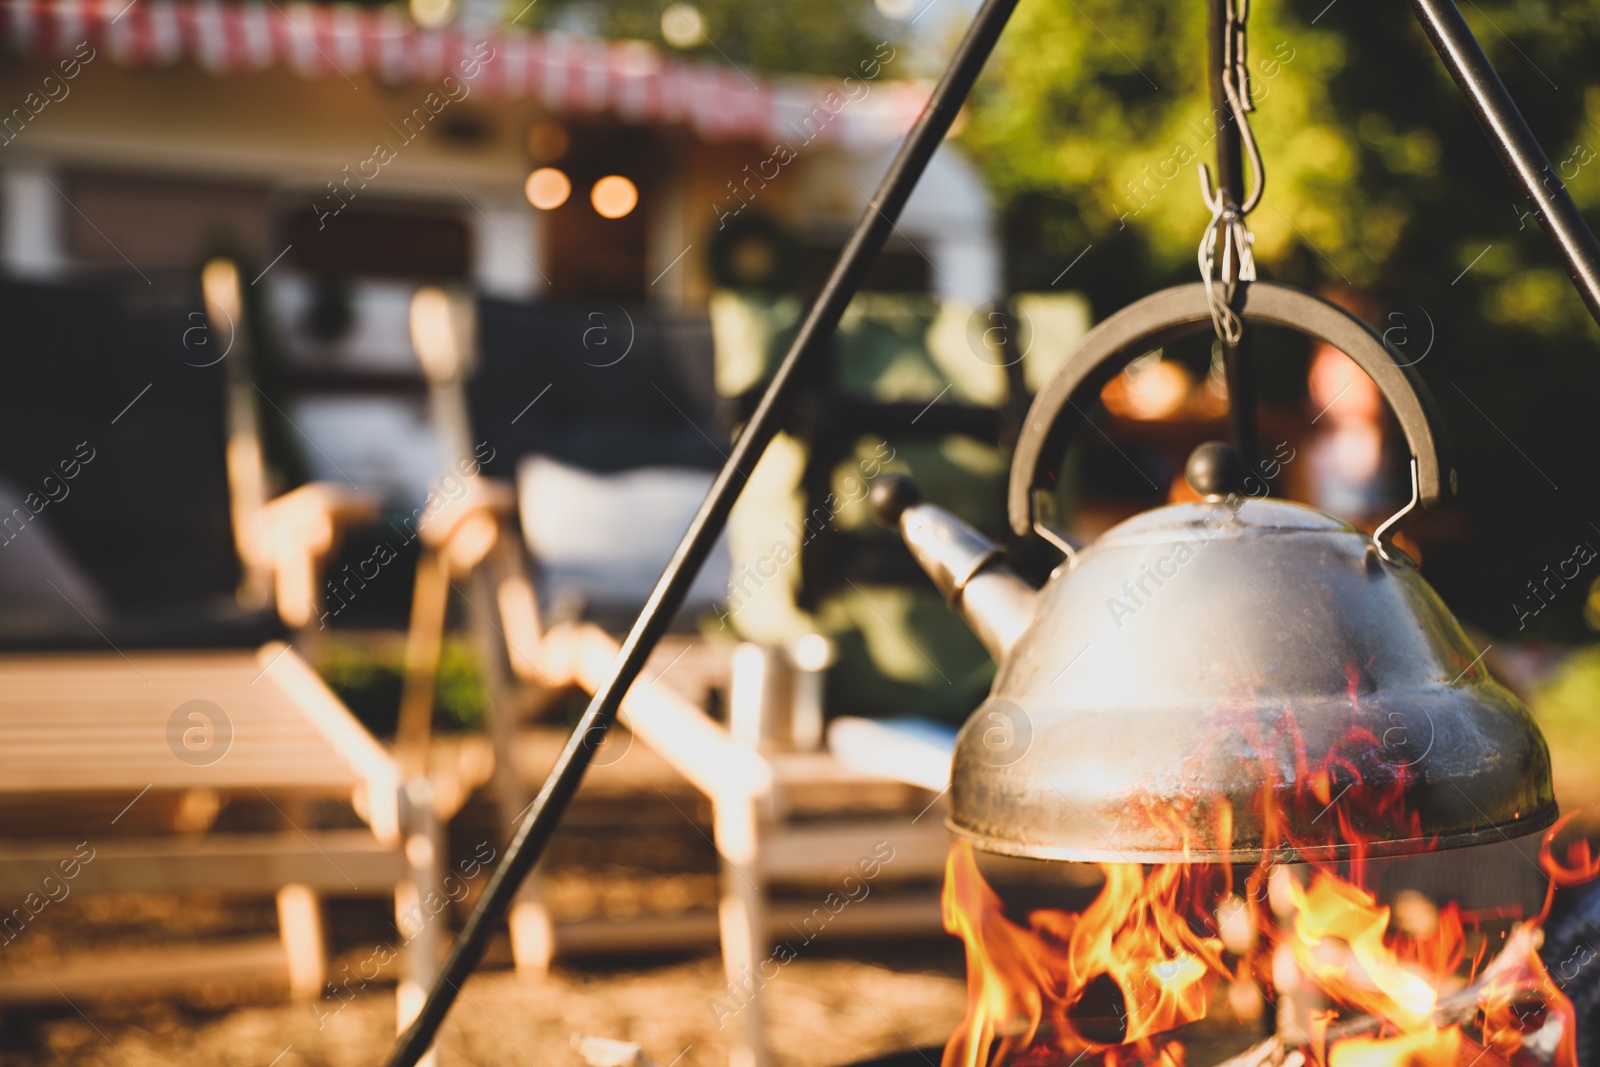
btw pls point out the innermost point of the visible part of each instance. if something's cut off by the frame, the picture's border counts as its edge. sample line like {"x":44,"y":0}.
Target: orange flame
{"x":1116,"y":979}
{"x":1126,"y":969}
{"x":1582,"y":865}
{"x":1429,"y":1047}
{"x":1339,"y":940}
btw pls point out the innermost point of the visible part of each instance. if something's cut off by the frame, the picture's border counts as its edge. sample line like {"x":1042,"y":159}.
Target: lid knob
{"x":890,"y":496}
{"x":1215,"y":469}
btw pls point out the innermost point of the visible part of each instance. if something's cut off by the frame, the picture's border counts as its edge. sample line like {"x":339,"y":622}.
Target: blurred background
{"x":364,"y":363}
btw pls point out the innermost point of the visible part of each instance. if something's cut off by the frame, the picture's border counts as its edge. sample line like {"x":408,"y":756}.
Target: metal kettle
{"x":1234,"y":679}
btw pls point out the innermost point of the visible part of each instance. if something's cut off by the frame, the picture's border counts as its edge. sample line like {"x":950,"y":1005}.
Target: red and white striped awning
{"x":566,"y":74}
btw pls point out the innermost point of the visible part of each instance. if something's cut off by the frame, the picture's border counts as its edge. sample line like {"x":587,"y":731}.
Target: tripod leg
{"x":1514,"y":143}
{"x":815,"y":333}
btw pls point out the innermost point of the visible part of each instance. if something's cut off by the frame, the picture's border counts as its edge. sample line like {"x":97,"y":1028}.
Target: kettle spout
{"x":964,"y":565}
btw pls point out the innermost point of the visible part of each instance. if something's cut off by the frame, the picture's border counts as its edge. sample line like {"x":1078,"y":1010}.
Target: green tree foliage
{"x":1095,"y":114}
{"x":826,"y":37}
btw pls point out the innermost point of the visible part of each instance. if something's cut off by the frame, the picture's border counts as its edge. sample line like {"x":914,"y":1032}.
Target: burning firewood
{"x":1460,"y":1009}
{"x":1274,"y":1053}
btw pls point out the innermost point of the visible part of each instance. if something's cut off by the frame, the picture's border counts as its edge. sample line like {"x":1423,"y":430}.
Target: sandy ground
{"x":820,"y":1012}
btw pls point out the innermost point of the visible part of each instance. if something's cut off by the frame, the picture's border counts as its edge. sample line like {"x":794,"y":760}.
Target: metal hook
{"x":1247,"y":138}
{"x":1237,"y":241}
{"x":1044,"y":508}
{"x":1055,"y":537}
{"x":1258,"y":173}
{"x":1377,"y":535}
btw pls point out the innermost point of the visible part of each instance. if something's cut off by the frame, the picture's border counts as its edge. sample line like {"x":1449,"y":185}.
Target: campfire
{"x":1166,"y":945}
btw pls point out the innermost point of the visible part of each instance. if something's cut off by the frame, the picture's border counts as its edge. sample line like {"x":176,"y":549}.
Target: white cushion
{"x":608,"y":537}
{"x":915,"y":751}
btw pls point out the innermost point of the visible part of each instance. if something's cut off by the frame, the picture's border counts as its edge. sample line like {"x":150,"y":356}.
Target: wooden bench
{"x":100,"y":753}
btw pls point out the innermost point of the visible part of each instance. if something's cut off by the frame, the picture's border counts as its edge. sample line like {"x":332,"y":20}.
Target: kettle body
{"x":1257,"y":667}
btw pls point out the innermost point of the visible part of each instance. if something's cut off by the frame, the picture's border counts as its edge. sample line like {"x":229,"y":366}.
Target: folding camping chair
{"x":478,"y":538}
{"x":156,"y":734}
{"x":772,"y":788}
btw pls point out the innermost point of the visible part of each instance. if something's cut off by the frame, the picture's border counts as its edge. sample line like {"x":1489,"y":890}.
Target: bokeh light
{"x":1150,"y":388}
{"x":548,"y":188}
{"x":548,"y":141}
{"x":431,"y":14}
{"x":681,"y":25}
{"x":614,"y":196}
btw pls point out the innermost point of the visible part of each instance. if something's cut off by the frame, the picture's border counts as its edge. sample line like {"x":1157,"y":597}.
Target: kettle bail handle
{"x":1178,"y":312}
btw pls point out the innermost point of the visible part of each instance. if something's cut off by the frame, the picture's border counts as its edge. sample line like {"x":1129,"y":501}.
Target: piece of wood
{"x":1274,"y":1053}
{"x":1456,"y":1009}
{"x":688,"y":930}
{"x":298,"y":531}
{"x":336,"y":861}
{"x":424,"y":642}
{"x":1471,"y":1052}
{"x":533,"y":937}
{"x":698,"y":748}
{"x":879,"y":915}
{"x":300,"y":929}
{"x":508,"y":652}
{"x":523,"y":629}
{"x":107,"y":723}
{"x":154,"y":971}
{"x":376,"y":772}
{"x":808,"y":852}
{"x":742,"y":921}
{"x":420,"y":915}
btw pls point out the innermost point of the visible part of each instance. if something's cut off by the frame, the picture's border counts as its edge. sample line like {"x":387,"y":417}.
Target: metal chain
{"x":1228,"y":221}
{"x":1227,"y":218}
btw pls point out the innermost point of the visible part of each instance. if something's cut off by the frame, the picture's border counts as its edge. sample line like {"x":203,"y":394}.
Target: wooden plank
{"x":876,"y":916}
{"x":304,"y":944}
{"x":98,"y":722}
{"x":698,"y":748}
{"x":816,"y":853}
{"x":339,"y":861}
{"x":112,"y":777}
{"x":691,"y":665}
{"x":152,"y":972}
{"x":666,"y":933}
{"x":379,"y":773}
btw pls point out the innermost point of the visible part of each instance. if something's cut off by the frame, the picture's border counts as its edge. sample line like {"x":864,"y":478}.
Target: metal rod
{"x":1237,"y":365}
{"x":1515,"y":144}
{"x":1230,"y":151}
{"x":877,"y":222}
{"x":1236,"y":359}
